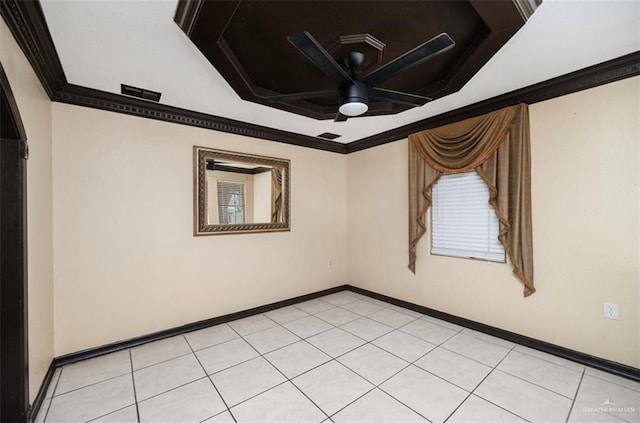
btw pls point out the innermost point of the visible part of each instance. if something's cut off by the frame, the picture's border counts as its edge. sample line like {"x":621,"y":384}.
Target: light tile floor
{"x":341,"y":358}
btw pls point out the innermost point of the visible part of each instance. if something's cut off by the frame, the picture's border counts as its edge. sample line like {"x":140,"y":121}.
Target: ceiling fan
{"x":353,"y":93}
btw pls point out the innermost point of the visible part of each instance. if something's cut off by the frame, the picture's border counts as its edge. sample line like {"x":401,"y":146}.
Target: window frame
{"x":439,"y":252}
{"x":223,"y":181}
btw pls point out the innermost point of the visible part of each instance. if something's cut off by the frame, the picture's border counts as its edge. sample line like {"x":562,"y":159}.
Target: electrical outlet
{"x":611,"y":311}
{"x":330,"y":264}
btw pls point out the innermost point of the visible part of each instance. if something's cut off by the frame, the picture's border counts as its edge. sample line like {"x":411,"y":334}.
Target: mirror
{"x":239,"y":193}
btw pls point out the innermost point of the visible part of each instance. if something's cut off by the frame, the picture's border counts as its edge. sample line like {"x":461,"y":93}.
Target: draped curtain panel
{"x":497,"y":146}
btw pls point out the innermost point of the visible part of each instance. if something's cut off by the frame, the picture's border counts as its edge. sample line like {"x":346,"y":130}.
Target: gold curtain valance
{"x":497,"y":146}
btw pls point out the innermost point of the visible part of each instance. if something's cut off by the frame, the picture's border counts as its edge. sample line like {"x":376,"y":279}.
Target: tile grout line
{"x":123,"y":374}
{"x":299,"y":336}
{"x":409,"y":364}
{"x":485,"y":378}
{"x":535,"y":384}
{"x":430,"y":320}
{"x":474,"y":334}
{"x":312,"y":313}
{"x":609,"y":381}
{"x":88,"y":385}
{"x":218,"y":414}
{"x":575,"y":397}
{"x":305,"y":340}
{"x":413,"y":363}
{"x":109,"y":413}
{"x":378,"y":387}
{"x":182,"y":384}
{"x":210,"y":380}
{"x":292,"y":320}
{"x":359,"y":346}
{"x":163,"y":361}
{"x":174,"y":388}
{"x":260,"y":354}
{"x":93,"y":384}
{"x":396,"y":399}
{"x":133,"y":381}
{"x":208,"y":346}
{"x":361,"y":396}
{"x":341,"y":308}
{"x":46,"y":414}
{"x":376,"y":346}
{"x":285,"y":376}
{"x":464,"y":356}
{"x":366,"y":342}
{"x":471,"y":392}
{"x":549,"y":361}
{"x":471,"y":332}
{"x":513,"y":349}
{"x":336,"y":359}
{"x":448,"y":325}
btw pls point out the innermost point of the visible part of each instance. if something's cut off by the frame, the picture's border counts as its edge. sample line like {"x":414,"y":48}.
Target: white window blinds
{"x":231,"y":202}
{"x":463,"y":223}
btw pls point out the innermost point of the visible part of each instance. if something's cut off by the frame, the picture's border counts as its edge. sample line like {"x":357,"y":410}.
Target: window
{"x":463,"y":223}
{"x":231,"y":202}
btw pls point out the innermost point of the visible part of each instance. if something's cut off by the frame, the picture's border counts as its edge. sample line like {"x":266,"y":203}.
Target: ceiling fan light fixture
{"x":355,"y":108}
{"x":354,"y":100}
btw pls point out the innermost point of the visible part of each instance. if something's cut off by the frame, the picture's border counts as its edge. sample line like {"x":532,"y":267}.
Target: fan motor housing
{"x":358,"y":92}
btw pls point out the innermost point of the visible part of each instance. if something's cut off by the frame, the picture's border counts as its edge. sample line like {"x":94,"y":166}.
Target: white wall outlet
{"x":611,"y":311}
{"x":330,"y":264}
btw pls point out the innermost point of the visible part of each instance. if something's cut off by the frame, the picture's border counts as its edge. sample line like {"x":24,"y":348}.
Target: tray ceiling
{"x":102,"y":45}
{"x":248,"y":44}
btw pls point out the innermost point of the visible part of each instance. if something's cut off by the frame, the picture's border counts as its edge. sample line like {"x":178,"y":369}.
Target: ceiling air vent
{"x":140,"y":92}
{"x":329,"y":136}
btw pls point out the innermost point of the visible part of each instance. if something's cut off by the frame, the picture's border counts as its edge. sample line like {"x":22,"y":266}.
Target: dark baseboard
{"x":42,"y":392}
{"x":189,"y":327}
{"x":577,"y":356}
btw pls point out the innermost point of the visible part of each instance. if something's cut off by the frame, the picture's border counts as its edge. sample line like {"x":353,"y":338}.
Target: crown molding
{"x":88,"y":97}
{"x":604,"y":73}
{"x":27,"y":23}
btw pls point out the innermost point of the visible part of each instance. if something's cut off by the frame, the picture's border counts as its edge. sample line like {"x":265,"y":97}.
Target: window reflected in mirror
{"x":238,"y":192}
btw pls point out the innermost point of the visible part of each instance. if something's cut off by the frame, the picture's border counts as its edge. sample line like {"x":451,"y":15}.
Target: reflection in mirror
{"x":237,"y":192}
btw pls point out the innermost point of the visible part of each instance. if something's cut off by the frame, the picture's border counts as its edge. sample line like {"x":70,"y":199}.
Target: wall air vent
{"x":139,"y":92}
{"x":329,"y":136}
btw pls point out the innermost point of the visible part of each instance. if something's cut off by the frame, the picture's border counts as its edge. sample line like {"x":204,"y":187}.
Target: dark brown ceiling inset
{"x":246,"y":41}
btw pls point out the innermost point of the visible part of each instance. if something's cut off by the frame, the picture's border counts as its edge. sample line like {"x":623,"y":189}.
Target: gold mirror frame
{"x":201,"y":225}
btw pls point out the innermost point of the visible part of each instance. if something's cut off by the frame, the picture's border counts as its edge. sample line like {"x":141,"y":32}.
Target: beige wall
{"x":585,"y":161}
{"x":35,"y":110}
{"x":126,"y":261}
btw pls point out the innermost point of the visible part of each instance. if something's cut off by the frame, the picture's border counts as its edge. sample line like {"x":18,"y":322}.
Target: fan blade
{"x":340,"y":117}
{"x":437,"y":45}
{"x":301,"y":96}
{"x":383,"y":94}
{"x":319,"y":56}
